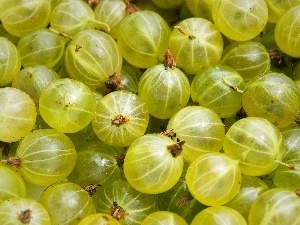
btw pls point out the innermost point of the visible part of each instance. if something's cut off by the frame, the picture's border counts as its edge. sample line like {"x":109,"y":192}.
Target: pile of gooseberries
{"x":149,"y":112}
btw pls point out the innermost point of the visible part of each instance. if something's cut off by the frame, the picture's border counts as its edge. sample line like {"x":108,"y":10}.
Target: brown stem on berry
{"x":117,"y":211}
{"x":120,"y":159}
{"x":169,"y":133}
{"x":176,"y":148}
{"x":290,"y":166}
{"x":12,"y":161}
{"x":233,"y":87}
{"x":114,"y":83}
{"x":91,"y":189}
{"x":130,"y":8}
{"x":185,"y":32}
{"x":119,"y":120}
{"x":65,"y":36}
{"x":25,"y":216}
{"x":77,"y":48}
{"x":297,"y":192}
{"x":184,"y":199}
{"x":169,"y":60}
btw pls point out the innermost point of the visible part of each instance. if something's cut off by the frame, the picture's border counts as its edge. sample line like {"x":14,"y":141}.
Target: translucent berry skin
{"x":200,"y":128}
{"x":71,"y":17}
{"x":276,"y":204}
{"x":213,"y":88}
{"x":67,"y":203}
{"x":67,"y":105}
{"x":11,"y":212}
{"x":12,"y":184}
{"x":199,"y":48}
{"x":33,"y":79}
{"x":240,"y":20}
{"x":132,"y":109}
{"x":249,"y":58}
{"x":97,"y":162}
{"x":274,"y":97}
{"x":150,"y":167}
{"x":47,"y":156}
{"x":251,"y":188}
{"x":92,"y":57}
{"x":163,"y":218}
{"x":22,"y":17}
{"x":214,"y":178}
{"x":256,"y":144}
{"x":135,"y":205}
{"x":168,"y":4}
{"x":99,"y":219}
{"x":111,"y":12}
{"x":17,"y":114}
{"x":287,"y":35}
{"x":277,"y":9}
{"x":179,"y":200}
{"x":291,"y":138}
{"x":284,"y":177}
{"x":143,"y":38}
{"x":165,"y":91}
{"x":201,"y":8}
{"x":219,"y":215}
{"x":41,"y":47}
{"x":10,"y":61}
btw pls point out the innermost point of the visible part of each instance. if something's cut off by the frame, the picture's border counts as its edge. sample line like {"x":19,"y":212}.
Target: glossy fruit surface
{"x":19,"y":211}
{"x":67,"y":105}
{"x":196,"y":44}
{"x":256,"y":143}
{"x":150,"y":166}
{"x":67,"y":203}
{"x":143,"y":45}
{"x":17,"y":114}
{"x":240,"y":20}
{"x":208,"y":173}
{"x":165,"y":90}
{"x":200,"y":128}
{"x":47,"y":156}
{"x":285,"y":32}
{"x":122,"y":122}
{"x":278,"y":205}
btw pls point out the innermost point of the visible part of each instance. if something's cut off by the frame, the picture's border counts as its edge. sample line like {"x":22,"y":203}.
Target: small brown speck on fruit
{"x":184,"y":199}
{"x":117,"y":211}
{"x":91,"y":189}
{"x":114,"y":83}
{"x":120,"y":159}
{"x":130,"y":8}
{"x":176,"y":148}
{"x":169,"y":133}
{"x":77,"y":48}
{"x":13,"y":161}
{"x":25,"y":216}
{"x":169,"y":60}
{"x":119,"y":120}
